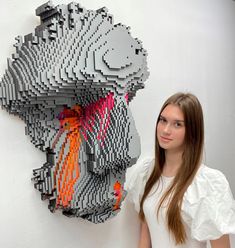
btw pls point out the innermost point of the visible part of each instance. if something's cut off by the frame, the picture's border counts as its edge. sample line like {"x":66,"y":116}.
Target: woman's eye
{"x":177,"y":124}
{"x":162,"y":120}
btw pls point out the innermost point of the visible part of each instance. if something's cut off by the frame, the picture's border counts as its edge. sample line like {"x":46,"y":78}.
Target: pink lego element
{"x":127,"y":98}
{"x":101,"y":108}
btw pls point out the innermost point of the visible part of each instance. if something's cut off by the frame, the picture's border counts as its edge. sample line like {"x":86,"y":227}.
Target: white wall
{"x":191,"y":46}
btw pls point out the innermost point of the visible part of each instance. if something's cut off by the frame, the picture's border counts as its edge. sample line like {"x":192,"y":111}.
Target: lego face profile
{"x":71,"y":82}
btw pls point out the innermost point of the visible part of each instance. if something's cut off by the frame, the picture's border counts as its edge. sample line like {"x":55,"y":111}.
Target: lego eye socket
{"x":66,"y":125}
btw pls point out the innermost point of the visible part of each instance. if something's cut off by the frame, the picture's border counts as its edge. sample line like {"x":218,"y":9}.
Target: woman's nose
{"x":167,"y":128}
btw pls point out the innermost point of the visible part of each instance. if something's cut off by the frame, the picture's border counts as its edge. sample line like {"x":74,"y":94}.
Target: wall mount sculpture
{"x":71,"y":81}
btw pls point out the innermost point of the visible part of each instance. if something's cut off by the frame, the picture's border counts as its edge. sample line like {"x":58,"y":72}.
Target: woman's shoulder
{"x":207,"y":181}
{"x":136,"y":178}
{"x":208,"y":206}
{"x":211,"y":174}
{"x":139,"y":171}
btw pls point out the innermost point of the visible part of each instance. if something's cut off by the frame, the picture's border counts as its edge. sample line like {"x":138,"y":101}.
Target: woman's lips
{"x":165,"y":139}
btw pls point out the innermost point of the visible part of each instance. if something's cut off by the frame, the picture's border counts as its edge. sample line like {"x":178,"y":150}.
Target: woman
{"x":181,"y":202}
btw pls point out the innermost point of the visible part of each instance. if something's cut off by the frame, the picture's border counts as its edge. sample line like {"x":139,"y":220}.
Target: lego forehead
{"x":74,"y":49}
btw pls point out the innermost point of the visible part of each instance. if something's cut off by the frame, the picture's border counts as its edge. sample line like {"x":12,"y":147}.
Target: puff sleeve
{"x":208,"y":206}
{"x":136,"y":178}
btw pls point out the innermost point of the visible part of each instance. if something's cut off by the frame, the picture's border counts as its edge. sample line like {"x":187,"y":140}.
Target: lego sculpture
{"x":71,"y":81}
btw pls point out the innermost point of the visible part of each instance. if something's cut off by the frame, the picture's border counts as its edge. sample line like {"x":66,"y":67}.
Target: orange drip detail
{"x":67,"y":168}
{"x":74,"y":122}
{"x":118,"y":193}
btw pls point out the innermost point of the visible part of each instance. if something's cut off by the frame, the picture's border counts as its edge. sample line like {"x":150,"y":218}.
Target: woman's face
{"x":171,"y":128}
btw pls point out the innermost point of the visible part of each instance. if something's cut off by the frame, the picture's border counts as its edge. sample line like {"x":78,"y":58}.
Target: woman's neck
{"x":172,"y":163}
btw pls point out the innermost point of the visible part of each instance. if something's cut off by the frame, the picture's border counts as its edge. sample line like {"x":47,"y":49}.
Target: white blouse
{"x":208,"y":208}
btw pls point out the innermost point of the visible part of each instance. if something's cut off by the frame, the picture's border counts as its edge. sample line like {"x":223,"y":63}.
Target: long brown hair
{"x":191,"y":160}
